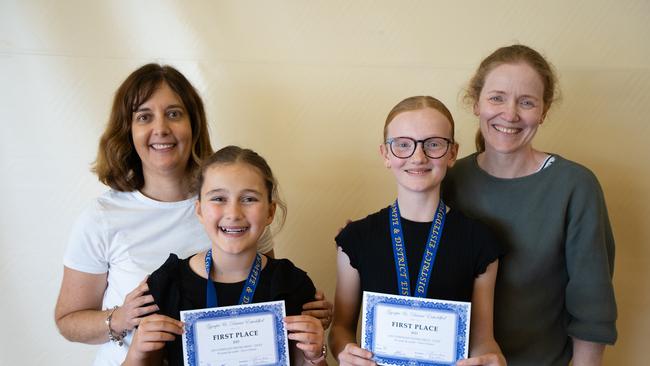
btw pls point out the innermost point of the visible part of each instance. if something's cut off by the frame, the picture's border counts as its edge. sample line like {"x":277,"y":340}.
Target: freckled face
{"x":419,"y":173}
{"x":162,"y":133}
{"x":234,"y":207}
{"x":510,"y":108}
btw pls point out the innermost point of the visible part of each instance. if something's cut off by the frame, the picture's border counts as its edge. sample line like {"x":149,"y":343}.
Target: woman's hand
{"x":137,"y":304}
{"x":151,"y":336}
{"x":308,"y":333}
{"x":320,"y":309}
{"x":352,"y":354}
{"x":488,"y":359}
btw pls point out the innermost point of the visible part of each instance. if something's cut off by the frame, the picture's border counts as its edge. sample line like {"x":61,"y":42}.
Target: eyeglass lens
{"x":404,"y":147}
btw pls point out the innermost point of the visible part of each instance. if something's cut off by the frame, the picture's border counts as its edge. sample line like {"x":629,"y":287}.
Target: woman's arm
{"x":589,"y":249}
{"x":342,"y":337}
{"x":79,"y":315}
{"x":587,"y":353}
{"x":484,"y":350}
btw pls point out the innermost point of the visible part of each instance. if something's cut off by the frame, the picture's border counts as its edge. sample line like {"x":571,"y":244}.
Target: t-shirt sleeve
{"x":88,"y":245}
{"x":292,"y":285}
{"x":349,"y":239}
{"x":164,"y":286}
{"x":589,"y":249}
{"x":488,"y":249}
{"x":266,"y":243}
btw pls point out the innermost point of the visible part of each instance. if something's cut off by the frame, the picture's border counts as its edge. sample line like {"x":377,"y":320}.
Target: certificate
{"x":243,"y":335}
{"x":401,"y":330}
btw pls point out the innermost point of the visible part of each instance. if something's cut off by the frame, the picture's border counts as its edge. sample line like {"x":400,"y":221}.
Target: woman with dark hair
{"x":119,"y":164}
{"x":155,"y":139}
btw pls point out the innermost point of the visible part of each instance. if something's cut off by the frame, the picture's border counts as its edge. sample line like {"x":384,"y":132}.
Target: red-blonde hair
{"x":513,"y":54}
{"x":417,"y":103}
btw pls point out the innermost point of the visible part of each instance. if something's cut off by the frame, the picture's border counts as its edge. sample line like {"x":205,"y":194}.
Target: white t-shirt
{"x":129,"y":236}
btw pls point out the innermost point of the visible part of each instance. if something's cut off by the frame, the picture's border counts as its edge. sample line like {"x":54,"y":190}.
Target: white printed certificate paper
{"x":242,"y":335}
{"x":401,"y":330}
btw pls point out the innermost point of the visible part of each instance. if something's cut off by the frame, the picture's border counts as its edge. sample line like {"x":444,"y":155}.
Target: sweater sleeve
{"x":590,"y":264}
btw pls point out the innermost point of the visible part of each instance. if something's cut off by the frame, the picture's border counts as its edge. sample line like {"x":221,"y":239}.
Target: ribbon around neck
{"x":428,"y":258}
{"x":249,"y":286}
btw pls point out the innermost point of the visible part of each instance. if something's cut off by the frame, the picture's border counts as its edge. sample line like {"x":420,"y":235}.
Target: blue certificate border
{"x":275,"y":308}
{"x":461,"y":309}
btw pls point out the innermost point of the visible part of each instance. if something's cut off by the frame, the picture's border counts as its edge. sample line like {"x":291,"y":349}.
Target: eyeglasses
{"x":404,"y":147}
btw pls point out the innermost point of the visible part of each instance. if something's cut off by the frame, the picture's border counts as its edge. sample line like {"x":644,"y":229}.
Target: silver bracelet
{"x":112,"y":335}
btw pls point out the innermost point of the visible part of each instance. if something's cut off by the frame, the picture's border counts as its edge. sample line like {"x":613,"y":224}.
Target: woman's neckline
{"x":496,"y":166}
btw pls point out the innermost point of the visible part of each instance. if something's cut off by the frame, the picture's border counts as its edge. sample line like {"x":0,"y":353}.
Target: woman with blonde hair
{"x":554,"y":300}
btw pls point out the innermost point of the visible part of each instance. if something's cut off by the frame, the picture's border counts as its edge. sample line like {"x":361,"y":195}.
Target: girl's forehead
{"x":233,"y":179}
{"x":426,"y":121}
{"x":232,"y":167}
{"x":233,"y":174}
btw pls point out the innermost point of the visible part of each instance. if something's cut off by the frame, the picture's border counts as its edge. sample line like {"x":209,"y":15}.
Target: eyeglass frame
{"x":389,"y":142}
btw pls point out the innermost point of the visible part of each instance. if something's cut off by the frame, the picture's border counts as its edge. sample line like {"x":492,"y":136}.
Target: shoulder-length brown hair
{"x":118,"y":164}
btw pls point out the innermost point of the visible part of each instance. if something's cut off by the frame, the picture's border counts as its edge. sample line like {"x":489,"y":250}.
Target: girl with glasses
{"x":418,"y":148}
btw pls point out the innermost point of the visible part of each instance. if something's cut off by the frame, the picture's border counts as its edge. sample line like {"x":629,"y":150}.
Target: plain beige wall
{"x":307,"y":84}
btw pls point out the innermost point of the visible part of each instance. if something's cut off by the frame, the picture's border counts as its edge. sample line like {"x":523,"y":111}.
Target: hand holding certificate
{"x":402,"y":330}
{"x":241,"y":335}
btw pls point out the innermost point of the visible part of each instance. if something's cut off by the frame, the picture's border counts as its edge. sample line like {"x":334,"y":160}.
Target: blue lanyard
{"x":249,"y":287}
{"x":428,"y":258}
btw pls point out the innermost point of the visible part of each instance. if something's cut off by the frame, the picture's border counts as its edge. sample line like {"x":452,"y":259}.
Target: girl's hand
{"x":152,"y":334}
{"x":308,"y":332}
{"x":488,"y":359}
{"x":352,"y":354}
{"x":320,"y":309}
{"x":129,"y":315}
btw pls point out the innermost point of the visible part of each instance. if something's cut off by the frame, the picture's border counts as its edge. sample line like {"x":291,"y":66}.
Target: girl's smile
{"x":419,"y":173}
{"x":234,"y":207}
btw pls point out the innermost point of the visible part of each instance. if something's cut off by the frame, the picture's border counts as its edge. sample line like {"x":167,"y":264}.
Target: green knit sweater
{"x":555,"y":279}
